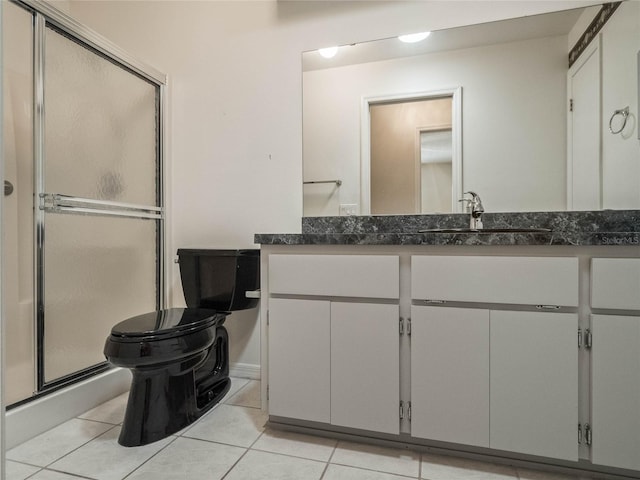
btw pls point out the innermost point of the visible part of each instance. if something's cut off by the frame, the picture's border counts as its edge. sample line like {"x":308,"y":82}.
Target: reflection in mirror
{"x":396,"y":167}
{"x":435,"y":170}
{"x":521,"y":147}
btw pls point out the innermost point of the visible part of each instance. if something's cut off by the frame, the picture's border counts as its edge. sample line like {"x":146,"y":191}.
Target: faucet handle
{"x":467,"y":203}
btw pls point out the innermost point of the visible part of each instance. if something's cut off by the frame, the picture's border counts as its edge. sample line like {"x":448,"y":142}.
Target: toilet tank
{"x":219,"y":279}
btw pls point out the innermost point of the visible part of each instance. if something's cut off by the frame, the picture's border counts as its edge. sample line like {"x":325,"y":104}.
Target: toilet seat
{"x":166,"y":324}
{"x":162,"y":337}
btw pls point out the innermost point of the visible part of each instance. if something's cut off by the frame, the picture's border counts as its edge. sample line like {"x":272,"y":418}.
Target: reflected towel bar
{"x":337,"y":182}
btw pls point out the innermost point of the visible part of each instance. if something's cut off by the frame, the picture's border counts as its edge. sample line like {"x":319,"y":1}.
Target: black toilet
{"x":179,"y":357}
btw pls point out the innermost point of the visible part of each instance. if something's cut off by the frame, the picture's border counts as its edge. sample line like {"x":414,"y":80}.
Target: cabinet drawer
{"x":487,"y":279}
{"x":615,"y":283}
{"x":372,"y":276}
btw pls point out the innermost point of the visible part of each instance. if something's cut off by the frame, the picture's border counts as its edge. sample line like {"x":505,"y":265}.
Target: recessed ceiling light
{"x":329,"y":52}
{"x":414,"y":37}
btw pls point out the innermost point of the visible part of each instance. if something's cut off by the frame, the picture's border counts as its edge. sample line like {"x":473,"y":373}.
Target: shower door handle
{"x":8,"y":188}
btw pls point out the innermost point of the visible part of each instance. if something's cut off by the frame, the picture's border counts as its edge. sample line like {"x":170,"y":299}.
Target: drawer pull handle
{"x":548,"y":307}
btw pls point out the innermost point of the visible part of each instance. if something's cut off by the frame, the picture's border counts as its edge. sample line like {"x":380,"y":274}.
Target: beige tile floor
{"x":232,"y":443}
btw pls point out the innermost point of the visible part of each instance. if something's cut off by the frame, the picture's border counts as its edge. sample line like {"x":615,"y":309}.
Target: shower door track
{"x":47,"y":15}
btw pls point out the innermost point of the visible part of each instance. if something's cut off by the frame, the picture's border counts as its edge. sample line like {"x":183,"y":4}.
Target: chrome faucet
{"x":475,"y":208}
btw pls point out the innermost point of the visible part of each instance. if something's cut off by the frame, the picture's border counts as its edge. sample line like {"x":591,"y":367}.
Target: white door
{"x":615,"y":383}
{"x":534,"y":383}
{"x":584,"y":169}
{"x":365,"y":366}
{"x":450,"y":374}
{"x":299,"y":362}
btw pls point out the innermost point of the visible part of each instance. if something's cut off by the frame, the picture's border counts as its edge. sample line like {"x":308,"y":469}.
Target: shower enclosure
{"x":83,"y":213}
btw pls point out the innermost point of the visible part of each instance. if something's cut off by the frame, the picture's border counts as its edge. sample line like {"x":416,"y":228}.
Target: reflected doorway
{"x":434,"y":160}
{"x":411,"y":148}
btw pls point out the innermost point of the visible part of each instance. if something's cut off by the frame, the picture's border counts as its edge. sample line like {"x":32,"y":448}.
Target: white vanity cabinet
{"x":499,"y":378}
{"x":615,"y":362}
{"x":299,"y":359}
{"x":333,"y":340}
{"x":365,"y":366}
{"x":526,"y":353}
{"x":450,"y":374}
{"x":534,"y":383}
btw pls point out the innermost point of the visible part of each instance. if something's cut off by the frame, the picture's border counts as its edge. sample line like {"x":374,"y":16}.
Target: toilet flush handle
{"x":8,"y":188}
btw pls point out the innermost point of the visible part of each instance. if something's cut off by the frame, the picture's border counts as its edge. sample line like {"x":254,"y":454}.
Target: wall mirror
{"x":524,"y":129}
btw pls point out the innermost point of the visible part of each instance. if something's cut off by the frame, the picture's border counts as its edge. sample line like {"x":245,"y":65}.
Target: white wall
{"x":513,"y":118}
{"x":235,"y":102}
{"x":621,"y":152}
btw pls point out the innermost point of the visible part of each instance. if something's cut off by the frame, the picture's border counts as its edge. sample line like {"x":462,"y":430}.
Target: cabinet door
{"x":450,"y":374}
{"x":534,"y":383}
{"x":615,"y":383}
{"x":299,"y":362}
{"x":615,"y":283}
{"x":365,"y":366}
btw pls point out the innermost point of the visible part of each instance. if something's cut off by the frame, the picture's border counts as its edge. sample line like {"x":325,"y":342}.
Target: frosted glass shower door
{"x":98,"y":271}
{"x":101,"y":220}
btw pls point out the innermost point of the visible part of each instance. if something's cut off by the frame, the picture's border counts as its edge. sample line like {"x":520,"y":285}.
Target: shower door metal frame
{"x":46,"y":16}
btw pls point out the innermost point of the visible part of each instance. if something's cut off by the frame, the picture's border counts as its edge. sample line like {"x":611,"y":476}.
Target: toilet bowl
{"x":179,"y":357}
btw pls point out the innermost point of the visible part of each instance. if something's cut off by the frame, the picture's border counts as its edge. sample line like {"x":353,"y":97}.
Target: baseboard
{"x":33,"y":418}
{"x":245,"y":370}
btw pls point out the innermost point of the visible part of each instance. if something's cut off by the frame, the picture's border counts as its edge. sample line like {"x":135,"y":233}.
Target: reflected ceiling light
{"x":414,"y":37}
{"x":329,"y":52}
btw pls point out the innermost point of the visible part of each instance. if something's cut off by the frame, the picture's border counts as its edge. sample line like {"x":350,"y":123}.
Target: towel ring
{"x":625,"y":114}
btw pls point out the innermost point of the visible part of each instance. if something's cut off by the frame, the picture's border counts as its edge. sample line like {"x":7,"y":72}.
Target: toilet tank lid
{"x":219,"y":252}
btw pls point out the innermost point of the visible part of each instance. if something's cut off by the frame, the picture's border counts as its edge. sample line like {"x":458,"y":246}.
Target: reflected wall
{"x":513,"y":128}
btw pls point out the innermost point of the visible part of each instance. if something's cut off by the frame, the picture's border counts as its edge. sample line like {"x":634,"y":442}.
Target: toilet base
{"x":164,"y":400}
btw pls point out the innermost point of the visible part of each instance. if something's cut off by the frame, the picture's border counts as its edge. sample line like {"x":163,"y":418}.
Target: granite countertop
{"x":612,"y":227}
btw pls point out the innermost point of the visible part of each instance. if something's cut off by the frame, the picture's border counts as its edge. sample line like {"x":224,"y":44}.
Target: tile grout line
{"x":326,"y":467}
{"x":28,"y":476}
{"x":243,"y":455}
{"x":152,"y":456}
{"x":79,"y":447}
{"x":400,"y":475}
{"x":71,"y":451}
{"x":381,"y":471}
{"x":74,"y":475}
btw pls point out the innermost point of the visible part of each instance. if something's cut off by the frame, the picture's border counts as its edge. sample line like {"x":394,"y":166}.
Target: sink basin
{"x":486,"y":230}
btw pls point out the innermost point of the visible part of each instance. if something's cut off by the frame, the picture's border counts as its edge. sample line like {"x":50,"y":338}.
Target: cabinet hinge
{"x":267,"y":317}
{"x":267,"y":392}
{"x":402,"y":328}
{"x":405,"y":410}
{"x":587,"y":436}
{"x":579,"y":343}
{"x":571,"y":104}
{"x":588,"y":338}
